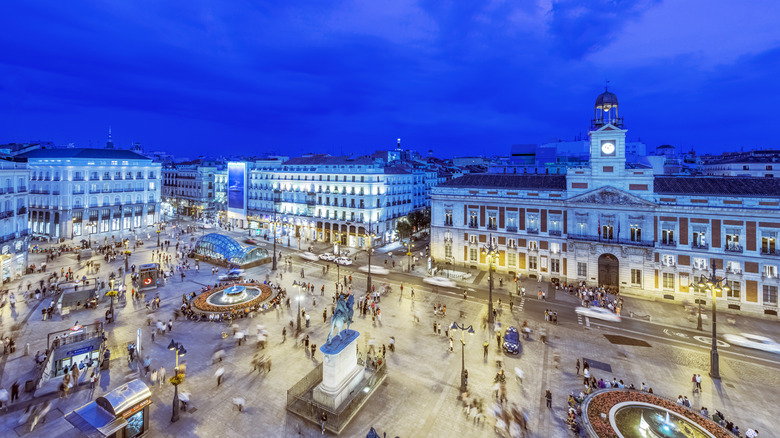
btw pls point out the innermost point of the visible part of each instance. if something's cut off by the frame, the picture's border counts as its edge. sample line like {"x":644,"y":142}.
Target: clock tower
{"x":607,"y":139}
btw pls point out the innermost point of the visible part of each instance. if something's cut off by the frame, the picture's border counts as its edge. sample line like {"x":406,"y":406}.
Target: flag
{"x":599,"y":229}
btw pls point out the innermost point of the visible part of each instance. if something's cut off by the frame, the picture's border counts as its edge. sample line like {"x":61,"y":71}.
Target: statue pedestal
{"x":341,"y":374}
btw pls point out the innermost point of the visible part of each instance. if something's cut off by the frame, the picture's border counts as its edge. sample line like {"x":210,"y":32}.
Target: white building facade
{"x":617,"y":225}
{"x":14,"y":235}
{"x":330,"y":199}
{"x":193,"y":189}
{"x":92,"y":193}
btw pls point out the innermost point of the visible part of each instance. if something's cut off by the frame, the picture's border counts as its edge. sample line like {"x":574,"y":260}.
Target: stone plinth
{"x":341,"y":374}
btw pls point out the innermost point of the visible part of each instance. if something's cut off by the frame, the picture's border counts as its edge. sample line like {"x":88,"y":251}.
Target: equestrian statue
{"x":342,"y":315}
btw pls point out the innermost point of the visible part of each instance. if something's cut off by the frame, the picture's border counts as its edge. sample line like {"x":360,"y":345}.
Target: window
{"x":735,"y":290}
{"x":668,"y":260}
{"x":770,"y":295}
{"x":473,"y":254}
{"x":699,"y":263}
{"x":770,"y":271}
{"x":533,"y":245}
{"x":448,"y":249}
{"x":532,"y":263}
{"x":768,"y":240}
{"x":699,"y":238}
{"x":511,"y":260}
{"x":582,"y":269}
{"x":668,"y":281}
{"x":732,"y":241}
{"x":607,"y":232}
{"x":636,"y":277}
{"x":555,"y":225}
{"x":667,"y":235}
{"x":511,"y":222}
{"x":636,"y":233}
{"x":555,"y":248}
{"x":473,"y":238}
{"x":473,"y":221}
{"x":448,"y":217}
{"x":582,"y":226}
{"x":555,"y":266}
{"x":492,"y":221}
{"x":511,"y":243}
{"x":533,"y":223}
{"x":733,"y":267}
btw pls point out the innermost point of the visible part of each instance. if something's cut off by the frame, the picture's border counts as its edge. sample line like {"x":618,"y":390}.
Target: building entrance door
{"x":608,"y":271}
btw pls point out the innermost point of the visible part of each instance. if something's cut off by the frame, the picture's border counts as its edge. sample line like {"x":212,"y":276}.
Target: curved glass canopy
{"x":225,"y":248}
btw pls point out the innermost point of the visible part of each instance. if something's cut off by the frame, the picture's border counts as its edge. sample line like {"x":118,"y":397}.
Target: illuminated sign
{"x":236,"y":185}
{"x":136,"y":408}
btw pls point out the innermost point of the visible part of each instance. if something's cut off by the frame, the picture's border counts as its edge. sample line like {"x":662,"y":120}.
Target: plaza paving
{"x":419,"y":397}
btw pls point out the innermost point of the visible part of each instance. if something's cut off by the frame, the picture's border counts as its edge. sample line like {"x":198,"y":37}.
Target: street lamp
{"x":179,"y":350}
{"x":463,"y":329}
{"x":111,"y":293}
{"x":300,"y":286}
{"x":490,"y":250}
{"x":370,"y":237}
{"x":714,"y":285}
{"x":273,"y":265}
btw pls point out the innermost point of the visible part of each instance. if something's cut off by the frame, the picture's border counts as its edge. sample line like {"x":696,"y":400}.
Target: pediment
{"x":610,"y":196}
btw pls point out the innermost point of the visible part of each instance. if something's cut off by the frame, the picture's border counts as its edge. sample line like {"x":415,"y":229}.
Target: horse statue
{"x":342,"y":315}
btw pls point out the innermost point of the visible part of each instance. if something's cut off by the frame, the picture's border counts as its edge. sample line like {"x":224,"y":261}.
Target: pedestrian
{"x":147,"y":363}
{"x":698,"y":382}
{"x":578,"y":367}
{"x":15,"y":391}
{"x":450,"y":344}
{"x":693,"y":382}
{"x":218,"y":374}
{"x":284,"y":334}
{"x":323,"y":420}
{"x":313,"y":349}
{"x":548,"y":397}
{"x":485,"y":348}
{"x":161,"y":376}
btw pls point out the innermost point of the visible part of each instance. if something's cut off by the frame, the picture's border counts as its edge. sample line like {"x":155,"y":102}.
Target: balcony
{"x":78,"y":178}
{"x":6,"y":214}
{"x":448,"y":223}
{"x":770,"y":251}
{"x":733,"y":271}
{"x":700,"y":245}
{"x":555,"y":232}
{"x":533,"y":249}
{"x":492,"y":227}
{"x":473,"y":225}
{"x":733,"y":247}
{"x":667,"y":243}
{"x":78,"y":192}
{"x":22,"y":210}
{"x":769,"y":276}
{"x":532,"y":231}
{"x":511,"y":228}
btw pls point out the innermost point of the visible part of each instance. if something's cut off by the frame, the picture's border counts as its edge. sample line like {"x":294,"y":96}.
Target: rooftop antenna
{"x":109,"y":143}
{"x":399,"y":144}
{"x":606,"y":85}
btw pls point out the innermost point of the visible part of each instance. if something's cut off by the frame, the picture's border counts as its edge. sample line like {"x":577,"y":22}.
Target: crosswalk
{"x":521,"y":305}
{"x":579,"y":319}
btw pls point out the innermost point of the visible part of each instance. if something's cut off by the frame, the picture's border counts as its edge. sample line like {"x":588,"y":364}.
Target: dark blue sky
{"x":461,"y":78}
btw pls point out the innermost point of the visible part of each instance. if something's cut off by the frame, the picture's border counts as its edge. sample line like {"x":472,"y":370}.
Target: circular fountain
{"x":231,"y":298}
{"x":637,"y":419}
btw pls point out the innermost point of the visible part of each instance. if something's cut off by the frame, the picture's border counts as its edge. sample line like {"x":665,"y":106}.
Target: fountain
{"x":640,"y":420}
{"x":234,"y":297}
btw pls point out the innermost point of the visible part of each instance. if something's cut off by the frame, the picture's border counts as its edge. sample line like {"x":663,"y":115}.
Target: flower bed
{"x":201,"y":302}
{"x":603,"y":402}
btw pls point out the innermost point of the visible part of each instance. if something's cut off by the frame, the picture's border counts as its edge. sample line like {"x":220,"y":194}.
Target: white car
{"x":598,"y":313}
{"x":344,"y":261}
{"x":753,"y":341}
{"x":327,"y":256}
{"x":308,"y":256}
{"x":375,"y":270}
{"x":440,"y":281}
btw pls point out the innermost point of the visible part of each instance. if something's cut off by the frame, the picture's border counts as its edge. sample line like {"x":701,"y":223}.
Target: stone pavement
{"x":419,"y":397}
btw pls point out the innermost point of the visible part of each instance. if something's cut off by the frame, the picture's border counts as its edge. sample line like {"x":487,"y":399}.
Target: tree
{"x":404,"y":228}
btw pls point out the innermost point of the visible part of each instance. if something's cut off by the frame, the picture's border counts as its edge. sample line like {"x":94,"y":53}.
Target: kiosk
{"x":122,"y":413}
{"x":147,"y":276}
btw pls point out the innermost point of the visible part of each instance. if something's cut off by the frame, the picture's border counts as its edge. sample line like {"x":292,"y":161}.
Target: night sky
{"x":461,"y":78}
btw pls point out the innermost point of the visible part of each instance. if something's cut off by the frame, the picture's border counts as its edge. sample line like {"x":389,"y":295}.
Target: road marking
{"x":696,"y":346}
{"x":706,"y":340}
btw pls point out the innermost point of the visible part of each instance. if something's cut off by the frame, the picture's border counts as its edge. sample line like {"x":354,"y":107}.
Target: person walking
{"x":161,"y":376}
{"x":218,"y":374}
{"x":698,"y":382}
{"x":323,"y":421}
{"x":548,"y":397}
{"x":485,"y":349}
{"x":578,"y":367}
{"x":693,"y":382}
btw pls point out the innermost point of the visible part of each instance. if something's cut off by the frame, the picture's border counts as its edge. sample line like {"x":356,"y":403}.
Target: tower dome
{"x":606,"y":110}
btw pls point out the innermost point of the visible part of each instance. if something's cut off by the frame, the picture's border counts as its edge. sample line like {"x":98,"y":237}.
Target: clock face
{"x":608,"y":148}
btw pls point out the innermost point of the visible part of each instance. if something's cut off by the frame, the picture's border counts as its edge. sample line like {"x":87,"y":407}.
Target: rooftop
{"x":509,"y":181}
{"x":318,"y":159}
{"x":721,"y":185}
{"x":119,"y":154}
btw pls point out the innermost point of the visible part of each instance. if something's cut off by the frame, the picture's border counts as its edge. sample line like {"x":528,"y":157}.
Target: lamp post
{"x":158,"y":236}
{"x":698,"y":322}
{"x":463,"y":329}
{"x":111,"y":293}
{"x":370,"y":237}
{"x":273,"y":265}
{"x":91,"y":226}
{"x":178,"y":350}
{"x":490,"y":250}
{"x":298,"y":318}
{"x":714,"y":285}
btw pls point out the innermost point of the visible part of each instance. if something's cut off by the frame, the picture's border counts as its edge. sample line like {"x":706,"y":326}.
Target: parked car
{"x":753,"y":341}
{"x":327,"y":256}
{"x":512,"y":341}
{"x":233,"y":274}
{"x":598,"y":313}
{"x":344,"y":261}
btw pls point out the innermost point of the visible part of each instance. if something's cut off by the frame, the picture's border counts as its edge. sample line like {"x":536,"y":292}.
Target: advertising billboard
{"x":236,"y":191}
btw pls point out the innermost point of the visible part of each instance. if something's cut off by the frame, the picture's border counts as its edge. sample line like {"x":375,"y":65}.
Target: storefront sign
{"x":81,"y":350}
{"x":136,"y":408}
